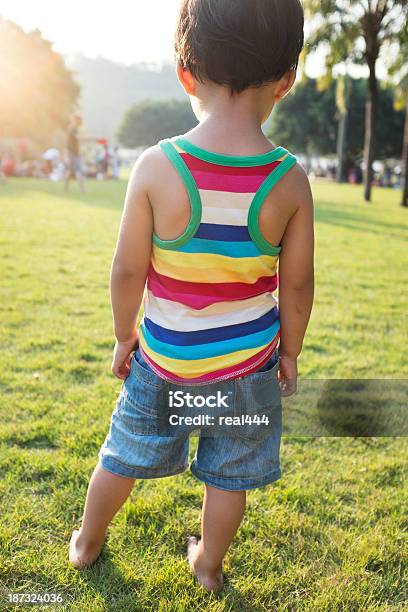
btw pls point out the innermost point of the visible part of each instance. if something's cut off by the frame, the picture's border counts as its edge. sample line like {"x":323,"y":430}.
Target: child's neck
{"x":232,"y":126}
{"x":222,"y":135}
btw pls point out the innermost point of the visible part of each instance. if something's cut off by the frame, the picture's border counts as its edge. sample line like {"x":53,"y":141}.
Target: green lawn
{"x":330,"y":535}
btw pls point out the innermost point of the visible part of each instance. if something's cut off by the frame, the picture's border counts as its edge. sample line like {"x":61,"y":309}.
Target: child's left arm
{"x":130,"y":265}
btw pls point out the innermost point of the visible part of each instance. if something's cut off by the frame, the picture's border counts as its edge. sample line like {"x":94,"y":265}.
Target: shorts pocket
{"x":259,"y":389}
{"x":144,"y":389}
{"x":135,"y":418}
{"x":258,"y":404}
{"x":140,"y":407}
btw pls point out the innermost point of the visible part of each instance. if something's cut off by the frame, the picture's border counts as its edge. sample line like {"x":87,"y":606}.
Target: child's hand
{"x":121,"y":356}
{"x":287,"y":375}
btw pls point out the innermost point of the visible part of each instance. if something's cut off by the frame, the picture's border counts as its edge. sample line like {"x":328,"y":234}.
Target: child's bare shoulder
{"x":150,"y":162}
{"x":149,"y":166}
{"x":293,"y":190}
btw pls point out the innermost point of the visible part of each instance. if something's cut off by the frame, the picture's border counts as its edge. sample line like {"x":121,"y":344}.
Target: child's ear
{"x":285,"y":84}
{"x":186,"y":79}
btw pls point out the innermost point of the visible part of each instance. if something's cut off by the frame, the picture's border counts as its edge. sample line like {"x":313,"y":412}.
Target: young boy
{"x":206,"y":217}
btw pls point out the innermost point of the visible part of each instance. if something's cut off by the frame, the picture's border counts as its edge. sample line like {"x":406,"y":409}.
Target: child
{"x":206,"y":217}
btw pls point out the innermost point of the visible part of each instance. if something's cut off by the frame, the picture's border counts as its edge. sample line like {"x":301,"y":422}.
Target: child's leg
{"x":106,"y":494}
{"x":221,"y":516}
{"x":80,"y":179}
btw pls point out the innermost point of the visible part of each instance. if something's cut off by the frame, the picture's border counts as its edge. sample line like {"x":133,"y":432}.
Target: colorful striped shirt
{"x":209,"y":312}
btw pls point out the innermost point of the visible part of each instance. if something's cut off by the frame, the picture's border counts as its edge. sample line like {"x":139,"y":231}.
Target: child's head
{"x":239,"y":44}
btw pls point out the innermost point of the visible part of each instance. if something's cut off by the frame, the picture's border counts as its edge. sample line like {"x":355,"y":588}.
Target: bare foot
{"x":82,"y":555}
{"x":210,"y":579}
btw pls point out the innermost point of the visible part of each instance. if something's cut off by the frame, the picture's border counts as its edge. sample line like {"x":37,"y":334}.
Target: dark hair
{"x":239,"y":43}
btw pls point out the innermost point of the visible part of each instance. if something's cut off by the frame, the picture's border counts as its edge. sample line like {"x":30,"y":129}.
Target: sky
{"x":126,"y":31}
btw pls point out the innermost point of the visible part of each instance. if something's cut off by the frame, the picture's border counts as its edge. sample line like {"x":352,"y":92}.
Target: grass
{"x":330,"y":535}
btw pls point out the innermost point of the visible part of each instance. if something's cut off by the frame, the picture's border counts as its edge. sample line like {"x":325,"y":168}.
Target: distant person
{"x":387,"y":177}
{"x":105,"y":161}
{"x":352,"y":175}
{"x":9,"y":166}
{"x":115,"y":163}
{"x":99,"y":164}
{"x":2,"y":176}
{"x":74,"y":167}
{"x":193,"y":281}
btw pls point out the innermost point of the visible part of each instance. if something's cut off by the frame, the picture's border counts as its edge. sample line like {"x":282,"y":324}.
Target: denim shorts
{"x":241,"y":453}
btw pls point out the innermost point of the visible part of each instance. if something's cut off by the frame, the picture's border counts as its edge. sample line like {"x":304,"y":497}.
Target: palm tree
{"x":399,"y":70}
{"x":343,"y":90}
{"x":404,"y":201}
{"x":358,"y":29}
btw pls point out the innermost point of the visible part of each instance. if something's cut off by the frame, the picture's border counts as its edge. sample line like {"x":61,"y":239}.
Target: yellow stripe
{"x":191,"y":368}
{"x":210,"y":268}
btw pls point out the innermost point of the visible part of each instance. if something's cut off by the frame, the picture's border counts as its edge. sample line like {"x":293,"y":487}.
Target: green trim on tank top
{"x":195,"y":200}
{"x":253,"y":213}
{"x":229,"y":160}
{"x":193,"y":194}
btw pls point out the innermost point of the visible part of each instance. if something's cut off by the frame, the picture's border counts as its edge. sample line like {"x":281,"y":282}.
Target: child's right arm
{"x":131,"y":262}
{"x":296,"y":281}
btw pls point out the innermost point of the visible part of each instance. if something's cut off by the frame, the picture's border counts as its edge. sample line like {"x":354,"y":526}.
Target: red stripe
{"x":200,"y":295}
{"x":212,"y":181}
{"x":232,"y":179}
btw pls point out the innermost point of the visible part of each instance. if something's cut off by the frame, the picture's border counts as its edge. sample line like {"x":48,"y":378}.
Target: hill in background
{"x":108,"y":89}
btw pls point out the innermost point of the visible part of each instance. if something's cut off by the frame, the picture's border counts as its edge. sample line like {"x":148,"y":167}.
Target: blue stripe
{"x":215,"y":334}
{"x":229,"y":233}
{"x":212,"y":349}
{"x":218,"y":247}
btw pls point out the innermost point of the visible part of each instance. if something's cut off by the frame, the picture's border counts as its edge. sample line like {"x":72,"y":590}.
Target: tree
{"x":149,"y":121}
{"x":316,"y":132}
{"x":37,"y":92}
{"x":399,"y":69}
{"x":343,"y":90}
{"x":361,"y":26}
{"x":404,"y":201}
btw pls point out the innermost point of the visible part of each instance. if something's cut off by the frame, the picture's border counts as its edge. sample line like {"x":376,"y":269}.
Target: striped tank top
{"x":209,"y":312}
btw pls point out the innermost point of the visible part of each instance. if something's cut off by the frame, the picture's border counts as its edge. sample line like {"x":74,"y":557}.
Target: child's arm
{"x":296,"y":281}
{"x":130,"y":265}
